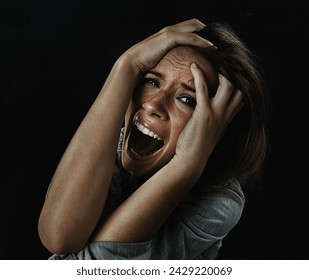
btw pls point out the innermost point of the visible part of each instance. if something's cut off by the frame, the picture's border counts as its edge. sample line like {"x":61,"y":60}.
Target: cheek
{"x":179,"y":122}
{"x":129,"y":113}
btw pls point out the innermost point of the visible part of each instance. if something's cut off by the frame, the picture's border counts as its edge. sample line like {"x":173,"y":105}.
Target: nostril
{"x":156,"y":115}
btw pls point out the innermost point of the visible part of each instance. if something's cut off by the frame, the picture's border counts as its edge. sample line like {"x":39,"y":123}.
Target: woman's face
{"x":161,"y":106}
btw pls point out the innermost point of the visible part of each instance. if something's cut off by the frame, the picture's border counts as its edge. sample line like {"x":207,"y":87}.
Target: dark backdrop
{"x":54,"y":57}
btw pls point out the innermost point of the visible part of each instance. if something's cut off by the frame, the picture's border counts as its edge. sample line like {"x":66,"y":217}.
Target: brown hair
{"x":241,"y":152}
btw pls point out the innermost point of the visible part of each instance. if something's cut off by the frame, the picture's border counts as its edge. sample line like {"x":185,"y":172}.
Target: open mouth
{"x":144,"y":142}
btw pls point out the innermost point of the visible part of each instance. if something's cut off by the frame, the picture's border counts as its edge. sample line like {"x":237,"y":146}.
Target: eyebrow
{"x":187,"y":87}
{"x":158,"y":74}
{"x":161,"y":76}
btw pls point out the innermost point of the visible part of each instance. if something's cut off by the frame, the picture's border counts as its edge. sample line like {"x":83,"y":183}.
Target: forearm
{"x":80,"y":184}
{"x":139,"y":217}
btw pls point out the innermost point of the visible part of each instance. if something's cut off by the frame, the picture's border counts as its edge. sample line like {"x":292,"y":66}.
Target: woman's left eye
{"x":188,"y":101}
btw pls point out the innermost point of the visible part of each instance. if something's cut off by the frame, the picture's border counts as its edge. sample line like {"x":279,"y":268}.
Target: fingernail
{"x":193,"y":65}
{"x":212,"y":45}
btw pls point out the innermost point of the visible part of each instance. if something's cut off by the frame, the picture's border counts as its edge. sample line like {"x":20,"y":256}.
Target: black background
{"x":54,"y":58}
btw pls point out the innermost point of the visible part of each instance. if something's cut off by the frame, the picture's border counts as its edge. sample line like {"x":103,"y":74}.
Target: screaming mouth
{"x":144,"y":142}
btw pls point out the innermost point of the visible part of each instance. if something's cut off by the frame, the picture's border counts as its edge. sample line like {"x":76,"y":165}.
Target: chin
{"x":141,"y":166}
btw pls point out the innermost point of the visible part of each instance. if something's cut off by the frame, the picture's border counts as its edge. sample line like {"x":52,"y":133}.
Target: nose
{"x":156,"y":106}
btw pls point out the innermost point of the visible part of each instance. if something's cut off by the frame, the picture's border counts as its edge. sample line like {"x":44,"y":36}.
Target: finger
{"x":201,"y":89}
{"x":224,"y":92}
{"x":188,"y":26}
{"x":191,"y":25}
{"x":235,"y":105}
{"x":169,"y":40}
{"x":183,"y":34}
{"x":190,"y":39}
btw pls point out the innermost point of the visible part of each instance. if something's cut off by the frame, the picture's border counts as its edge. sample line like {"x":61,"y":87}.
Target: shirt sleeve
{"x":198,"y":225}
{"x":193,"y":231}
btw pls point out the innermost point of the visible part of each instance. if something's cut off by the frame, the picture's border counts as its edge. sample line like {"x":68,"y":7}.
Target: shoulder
{"x":215,"y":209}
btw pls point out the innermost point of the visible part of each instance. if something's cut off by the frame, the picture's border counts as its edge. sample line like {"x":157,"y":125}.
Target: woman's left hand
{"x":208,"y":122}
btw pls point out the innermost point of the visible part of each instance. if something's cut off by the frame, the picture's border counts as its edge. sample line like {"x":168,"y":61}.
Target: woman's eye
{"x":152,"y":82}
{"x":188,"y":101}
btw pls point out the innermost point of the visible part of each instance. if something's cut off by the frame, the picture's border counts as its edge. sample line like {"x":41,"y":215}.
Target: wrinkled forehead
{"x":177,"y":63}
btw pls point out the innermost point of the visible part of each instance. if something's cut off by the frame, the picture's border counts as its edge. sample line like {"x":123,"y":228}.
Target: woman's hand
{"x":146,"y":54}
{"x":209,"y":120}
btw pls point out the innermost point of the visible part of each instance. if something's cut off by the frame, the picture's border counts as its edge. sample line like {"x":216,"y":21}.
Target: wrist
{"x":188,"y":169}
{"x":127,"y":61}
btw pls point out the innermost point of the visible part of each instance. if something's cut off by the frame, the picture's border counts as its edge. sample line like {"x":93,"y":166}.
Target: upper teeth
{"x":146,"y":130}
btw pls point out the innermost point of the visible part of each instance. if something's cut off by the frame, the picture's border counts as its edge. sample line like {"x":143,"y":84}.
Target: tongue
{"x":145,"y":145}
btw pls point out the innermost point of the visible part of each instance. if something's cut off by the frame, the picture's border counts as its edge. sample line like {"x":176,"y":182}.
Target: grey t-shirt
{"x":194,"y":230}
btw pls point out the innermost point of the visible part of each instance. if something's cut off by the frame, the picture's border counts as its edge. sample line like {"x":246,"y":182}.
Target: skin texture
{"x":78,"y":190}
{"x":163,"y":103}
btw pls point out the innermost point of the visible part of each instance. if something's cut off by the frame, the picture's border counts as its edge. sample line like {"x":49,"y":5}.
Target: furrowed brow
{"x":187,"y":87}
{"x":161,"y":76}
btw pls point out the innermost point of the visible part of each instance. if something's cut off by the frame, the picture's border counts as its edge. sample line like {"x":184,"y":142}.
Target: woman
{"x":193,"y":137}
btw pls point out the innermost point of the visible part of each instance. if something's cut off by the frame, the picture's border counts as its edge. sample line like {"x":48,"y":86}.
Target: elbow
{"x":57,"y":240}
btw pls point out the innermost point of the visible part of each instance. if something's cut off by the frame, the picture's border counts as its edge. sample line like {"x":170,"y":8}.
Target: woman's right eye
{"x":151,"y":81}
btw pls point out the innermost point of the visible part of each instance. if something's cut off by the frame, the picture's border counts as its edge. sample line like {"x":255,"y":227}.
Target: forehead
{"x":176,"y":63}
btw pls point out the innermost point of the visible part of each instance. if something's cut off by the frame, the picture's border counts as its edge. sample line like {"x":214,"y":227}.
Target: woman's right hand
{"x":144,"y":55}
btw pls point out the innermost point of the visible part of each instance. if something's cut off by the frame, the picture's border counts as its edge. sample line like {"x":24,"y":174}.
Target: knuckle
{"x":192,"y":37}
{"x":166,"y":29}
{"x":168,"y":36}
{"x":202,"y":87}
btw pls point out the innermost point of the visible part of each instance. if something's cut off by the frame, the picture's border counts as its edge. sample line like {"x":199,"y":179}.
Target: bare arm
{"x":80,"y":184}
